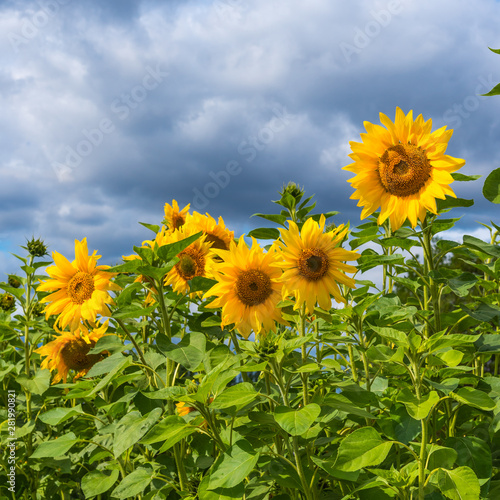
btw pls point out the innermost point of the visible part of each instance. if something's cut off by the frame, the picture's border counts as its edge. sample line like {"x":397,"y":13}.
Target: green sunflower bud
{"x":7,"y":301}
{"x":14,"y":281}
{"x":37,"y":248}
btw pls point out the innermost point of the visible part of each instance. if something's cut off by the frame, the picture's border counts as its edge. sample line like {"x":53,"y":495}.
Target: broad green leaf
{"x":494,"y":91}
{"x":36,"y":385}
{"x":462,"y":284}
{"x":112,"y":366}
{"x":132,"y":311}
{"x":170,"y":430}
{"x":264,"y":233}
{"x":129,"y":267}
{"x":131,"y":428}
{"x":440,"y":456}
{"x":168,"y":252}
{"x":296,"y":422}
{"x":168,"y":393}
{"x":417,"y":408}
{"x":451,"y":357}
{"x":153,"y":227}
{"x":465,"y":178}
{"x":488,"y":343}
{"x":457,"y":484}
{"x":362,"y":448}
{"x":96,"y":482}
{"x":189,"y":352}
{"x":133,"y":484}
{"x":238,"y":395}
{"x":482,"y":246}
{"x":451,"y":202}
{"x":279,"y":219}
{"x":235,"y":493}
{"x":475,"y":398}
{"x":485,"y":313}
{"x":110,"y":343}
{"x":59,"y":415}
{"x":341,"y":403}
{"x":474,"y":453}
{"x":392,"y":335}
{"x":56,"y":447}
{"x":438,"y":342}
{"x":234,"y":466}
{"x":328,"y":466}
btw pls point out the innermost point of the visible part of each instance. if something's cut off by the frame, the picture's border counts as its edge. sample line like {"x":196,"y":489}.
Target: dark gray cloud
{"x":112,"y":109}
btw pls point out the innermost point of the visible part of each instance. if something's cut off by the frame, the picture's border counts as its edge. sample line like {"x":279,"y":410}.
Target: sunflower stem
{"x":304,"y":376}
{"x":131,"y":338}
{"x":429,"y":268}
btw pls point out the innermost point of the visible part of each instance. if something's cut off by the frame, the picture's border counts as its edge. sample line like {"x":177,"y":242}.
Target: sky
{"x":110,"y":109}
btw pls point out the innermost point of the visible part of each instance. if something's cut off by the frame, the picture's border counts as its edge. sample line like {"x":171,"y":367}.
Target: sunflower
{"x":313,"y":264}
{"x":402,"y":169}
{"x":80,"y":288}
{"x":70,"y":351}
{"x":216,"y":232}
{"x":175,"y":218}
{"x":195,"y":260}
{"x":248,"y":289}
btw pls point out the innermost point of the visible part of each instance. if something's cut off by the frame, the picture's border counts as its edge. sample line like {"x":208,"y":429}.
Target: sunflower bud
{"x":7,"y":301}
{"x":291,"y":194}
{"x":37,"y":248}
{"x":14,"y":281}
{"x":38,"y":309}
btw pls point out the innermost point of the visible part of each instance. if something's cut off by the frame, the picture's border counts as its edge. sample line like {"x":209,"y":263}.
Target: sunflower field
{"x":305,"y":360}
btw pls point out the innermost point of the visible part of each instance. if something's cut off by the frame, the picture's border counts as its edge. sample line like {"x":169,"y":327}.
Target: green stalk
{"x":304,"y":376}
{"x":429,"y":265}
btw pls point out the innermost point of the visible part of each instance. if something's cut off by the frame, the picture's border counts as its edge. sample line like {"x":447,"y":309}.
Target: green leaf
{"x":393,"y":335}
{"x":59,"y":415}
{"x":474,"y":453}
{"x":201,"y":284}
{"x":132,"y":311}
{"x":450,"y":202}
{"x":265,"y":233}
{"x":482,"y":246}
{"x":96,"y":482}
{"x":441,"y":456}
{"x":362,"y":448}
{"x":296,"y":422}
{"x":234,"y":466}
{"x":56,"y":447}
{"x":474,"y":398}
{"x":170,"y":430}
{"x":460,"y":285}
{"x":437,"y":342}
{"x":417,"y":408}
{"x":111,"y":343}
{"x":457,"y":484}
{"x":189,"y":352}
{"x":484,"y":313}
{"x":168,"y":252}
{"x":168,"y":393}
{"x":236,"y":493}
{"x":341,"y":403}
{"x":36,"y":385}
{"x":131,"y":428}
{"x":279,"y":219}
{"x":152,"y":227}
{"x":491,"y":188}
{"x":464,"y":178}
{"x":238,"y":395}
{"x":328,"y":466}
{"x":494,"y":91}
{"x":112,"y":366}
{"x":133,"y":484}
{"x":488,"y":343}
{"x":128,"y":267}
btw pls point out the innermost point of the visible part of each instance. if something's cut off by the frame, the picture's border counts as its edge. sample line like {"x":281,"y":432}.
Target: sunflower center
{"x":216,"y":241}
{"x":75,"y":355}
{"x":312,"y":264}
{"x":253,"y":287}
{"x":191,"y":263}
{"x":404,"y":169}
{"x":80,"y":287}
{"x":177,"y":221}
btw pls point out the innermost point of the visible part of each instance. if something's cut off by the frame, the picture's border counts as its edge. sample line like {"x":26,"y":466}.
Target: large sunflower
{"x":81,"y":288}
{"x":248,"y":289}
{"x":195,"y":260}
{"x":401,"y":168}
{"x":174,"y":217}
{"x":216,"y":232}
{"x":313,"y":264}
{"x":70,"y":351}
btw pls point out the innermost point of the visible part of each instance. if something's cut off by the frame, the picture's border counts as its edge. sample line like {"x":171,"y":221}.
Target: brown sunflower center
{"x":75,"y":355}
{"x":403,"y":169}
{"x":312,"y":264}
{"x":216,"y":241}
{"x":191,"y":263}
{"x":253,"y":287}
{"x":177,"y":221}
{"x":80,"y":287}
